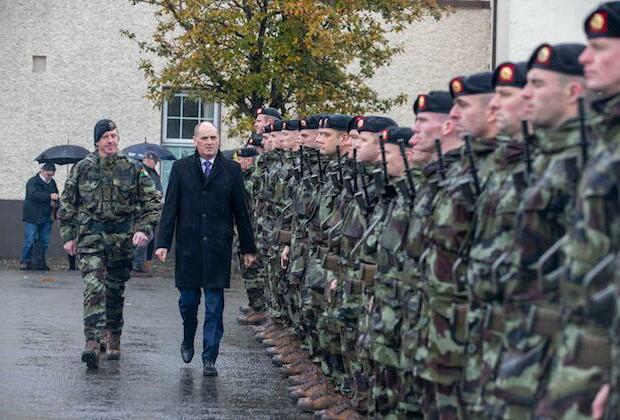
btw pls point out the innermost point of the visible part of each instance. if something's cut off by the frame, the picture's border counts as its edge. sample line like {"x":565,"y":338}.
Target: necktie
{"x":207,"y":166}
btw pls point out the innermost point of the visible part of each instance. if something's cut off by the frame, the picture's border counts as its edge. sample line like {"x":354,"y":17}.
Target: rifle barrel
{"x":472,"y":164}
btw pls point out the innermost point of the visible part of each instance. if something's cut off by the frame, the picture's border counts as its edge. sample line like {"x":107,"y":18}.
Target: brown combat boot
{"x":113,"y":347}
{"x":319,"y":402}
{"x":253,"y":318}
{"x":244,"y":309}
{"x":90,"y":354}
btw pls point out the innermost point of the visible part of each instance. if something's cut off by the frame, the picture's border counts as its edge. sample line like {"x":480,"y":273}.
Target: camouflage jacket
{"x":594,"y":232}
{"x":546,"y":207}
{"x":115,"y":190}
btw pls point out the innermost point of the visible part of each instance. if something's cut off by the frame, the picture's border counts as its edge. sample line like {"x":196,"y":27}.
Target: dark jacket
{"x":202,"y":211}
{"x":37,"y":203}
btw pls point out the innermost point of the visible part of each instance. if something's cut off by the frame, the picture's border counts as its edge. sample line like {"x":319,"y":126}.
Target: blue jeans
{"x":213,"y":327}
{"x":31,"y":232}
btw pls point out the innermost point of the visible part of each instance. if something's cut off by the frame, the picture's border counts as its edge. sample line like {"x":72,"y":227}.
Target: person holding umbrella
{"x":140,"y":264}
{"x":39,"y":208}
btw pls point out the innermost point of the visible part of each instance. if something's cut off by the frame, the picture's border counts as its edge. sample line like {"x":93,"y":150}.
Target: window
{"x":39,"y":63}
{"x":180,"y":115}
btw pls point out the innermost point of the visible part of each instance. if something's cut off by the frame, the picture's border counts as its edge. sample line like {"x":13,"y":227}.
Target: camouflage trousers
{"x":254,"y":282}
{"x":105,"y":263}
{"x":313,"y":304}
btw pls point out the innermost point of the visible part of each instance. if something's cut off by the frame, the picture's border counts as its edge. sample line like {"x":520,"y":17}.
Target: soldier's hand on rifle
{"x":284,"y":256}
{"x":70,"y":247}
{"x":600,"y":402}
{"x":162,"y":254}
{"x":140,"y":239}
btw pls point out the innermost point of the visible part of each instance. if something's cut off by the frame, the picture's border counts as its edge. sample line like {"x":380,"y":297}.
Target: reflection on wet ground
{"x":41,"y":375}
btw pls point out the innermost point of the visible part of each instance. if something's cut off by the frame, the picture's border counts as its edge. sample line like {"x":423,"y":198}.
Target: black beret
{"x":604,"y":22}
{"x":269,"y":111}
{"x":374,"y":124}
{"x":256,"y":140}
{"x":276,"y":126}
{"x":338,"y":122}
{"x":49,"y":167}
{"x":290,"y":125}
{"x":510,"y":74}
{"x":102,"y":127}
{"x":247,"y":152}
{"x":436,"y":101}
{"x":472,"y":85}
{"x":311,"y":123}
{"x":392,"y":135}
{"x":561,"y":58}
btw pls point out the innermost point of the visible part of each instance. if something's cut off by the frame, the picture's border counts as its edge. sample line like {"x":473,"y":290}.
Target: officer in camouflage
{"x":108,"y":206}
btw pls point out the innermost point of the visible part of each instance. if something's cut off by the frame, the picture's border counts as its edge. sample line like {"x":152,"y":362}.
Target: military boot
{"x":90,"y":354}
{"x":320,"y":402}
{"x":113,"y":350}
{"x":253,"y":318}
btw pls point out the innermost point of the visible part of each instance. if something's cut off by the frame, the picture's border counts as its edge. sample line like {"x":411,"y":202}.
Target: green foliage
{"x":299,"y":56}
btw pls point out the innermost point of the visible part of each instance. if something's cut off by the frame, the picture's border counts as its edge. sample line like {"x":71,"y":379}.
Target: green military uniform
{"x":105,"y":201}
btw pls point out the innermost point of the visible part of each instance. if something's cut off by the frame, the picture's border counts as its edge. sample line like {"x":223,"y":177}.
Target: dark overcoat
{"x":202,"y":211}
{"x":37,"y":203}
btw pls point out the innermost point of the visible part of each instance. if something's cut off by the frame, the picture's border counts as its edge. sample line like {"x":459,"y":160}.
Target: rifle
{"x":364,"y":186}
{"x":442,"y":166}
{"x":527,"y":139}
{"x":403,"y":155}
{"x":339,"y":165}
{"x":472,"y":164}
{"x":318,"y":155}
{"x":386,"y":179}
{"x":582,"y":131}
{"x":355,"y":169}
{"x":301,"y":160}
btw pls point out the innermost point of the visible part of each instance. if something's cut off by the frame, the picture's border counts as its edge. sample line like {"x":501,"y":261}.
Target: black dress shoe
{"x":187,"y":353}
{"x":208,"y":369}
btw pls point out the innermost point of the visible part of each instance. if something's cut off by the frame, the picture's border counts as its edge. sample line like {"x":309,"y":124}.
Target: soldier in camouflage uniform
{"x":254,"y":277}
{"x":583,"y":358}
{"x":108,"y":206}
{"x":492,"y":236}
{"x":432,"y":122}
{"x":448,"y":230}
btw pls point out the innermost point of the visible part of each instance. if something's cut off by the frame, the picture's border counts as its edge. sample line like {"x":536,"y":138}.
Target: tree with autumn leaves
{"x":300,"y":56}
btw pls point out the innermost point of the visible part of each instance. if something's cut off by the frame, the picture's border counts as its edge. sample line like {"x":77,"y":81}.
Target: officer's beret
{"x":276,"y":126}
{"x":256,"y":140}
{"x":311,"y":122}
{"x":604,"y":22}
{"x":392,"y":135}
{"x":560,"y":58}
{"x":338,"y":122}
{"x":49,"y":167}
{"x":435,"y":101}
{"x":510,"y":74}
{"x":102,"y":126}
{"x":290,"y":125}
{"x":374,"y":124}
{"x":272,"y":112}
{"x":472,"y":85}
{"x":247,"y":152}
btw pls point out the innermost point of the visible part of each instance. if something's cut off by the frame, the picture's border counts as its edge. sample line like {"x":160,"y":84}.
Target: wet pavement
{"x":42,"y":376}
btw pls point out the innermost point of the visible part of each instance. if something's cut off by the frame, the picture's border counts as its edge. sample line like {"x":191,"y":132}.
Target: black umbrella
{"x":137,"y":151}
{"x":63,"y":154}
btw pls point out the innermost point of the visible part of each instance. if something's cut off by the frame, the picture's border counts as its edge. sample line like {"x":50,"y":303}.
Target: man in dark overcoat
{"x":205,"y":197}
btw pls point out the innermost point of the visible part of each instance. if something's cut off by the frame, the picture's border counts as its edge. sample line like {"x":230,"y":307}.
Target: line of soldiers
{"x":465,"y":268}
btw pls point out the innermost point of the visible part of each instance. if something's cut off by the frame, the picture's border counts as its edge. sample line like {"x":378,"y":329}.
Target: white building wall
{"x":522,"y":25}
{"x":91,"y":73}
